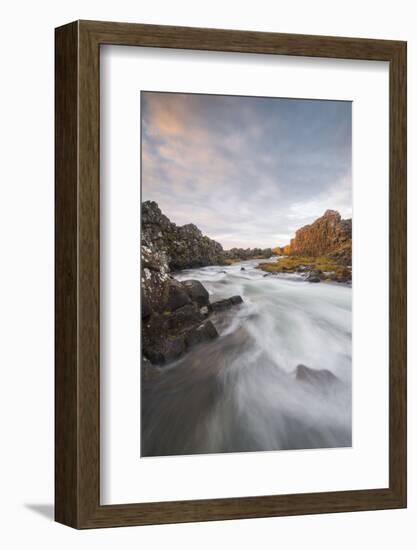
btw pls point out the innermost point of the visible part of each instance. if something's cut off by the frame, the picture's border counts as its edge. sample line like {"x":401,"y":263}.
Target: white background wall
{"x":26,"y":272}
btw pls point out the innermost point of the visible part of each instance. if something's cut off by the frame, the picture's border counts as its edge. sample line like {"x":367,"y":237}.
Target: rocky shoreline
{"x":177,"y":316}
{"x":312,"y":270}
{"x":321,"y":251}
{"x":184,"y":323}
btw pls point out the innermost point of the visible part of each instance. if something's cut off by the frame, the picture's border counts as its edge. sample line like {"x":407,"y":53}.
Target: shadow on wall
{"x":45,"y":510}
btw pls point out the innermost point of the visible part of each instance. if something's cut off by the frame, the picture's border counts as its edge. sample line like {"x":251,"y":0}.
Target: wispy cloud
{"x":247,"y":171}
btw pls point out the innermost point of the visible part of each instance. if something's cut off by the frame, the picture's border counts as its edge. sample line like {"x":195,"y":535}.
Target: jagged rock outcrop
{"x":321,"y":251}
{"x":184,"y":246}
{"x":167,"y":336}
{"x":327,"y":236}
{"x":183,"y":323}
{"x":175,"y":315}
{"x":167,"y":247}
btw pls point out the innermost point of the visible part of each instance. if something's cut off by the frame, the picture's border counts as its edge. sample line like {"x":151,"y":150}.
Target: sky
{"x":248,"y":171}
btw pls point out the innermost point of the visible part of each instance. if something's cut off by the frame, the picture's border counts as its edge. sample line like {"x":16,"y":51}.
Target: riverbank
{"x":241,"y":391}
{"x":312,"y":269}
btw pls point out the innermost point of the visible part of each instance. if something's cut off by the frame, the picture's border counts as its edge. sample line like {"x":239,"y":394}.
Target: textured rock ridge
{"x":167,"y":247}
{"x":184,"y":246}
{"x":323,"y":236}
{"x":175,"y":315}
{"x":329,"y":236}
{"x":321,"y":251}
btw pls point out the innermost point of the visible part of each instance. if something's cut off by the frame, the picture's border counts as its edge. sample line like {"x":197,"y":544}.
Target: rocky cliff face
{"x":167,"y":247}
{"x":185,"y":246}
{"x":175,"y":315}
{"x":327,"y":236}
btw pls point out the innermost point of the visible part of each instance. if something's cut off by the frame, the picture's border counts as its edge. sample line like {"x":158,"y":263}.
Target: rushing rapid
{"x":240,"y":391}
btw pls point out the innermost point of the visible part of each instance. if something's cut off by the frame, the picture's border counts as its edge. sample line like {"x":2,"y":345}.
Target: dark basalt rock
{"x":203,"y":333}
{"x":169,"y":350}
{"x":166,"y":247}
{"x":196,"y":292}
{"x":186,"y":316}
{"x":313,"y":279}
{"x":168,"y":335}
{"x":221,"y":305}
{"x":183,"y":246}
{"x":320,"y":377}
{"x":146,"y":309}
{"x":177,"y":296}
{"x":315,"y":276}
{"x":159,"y":344}
{"x":175,"y":314}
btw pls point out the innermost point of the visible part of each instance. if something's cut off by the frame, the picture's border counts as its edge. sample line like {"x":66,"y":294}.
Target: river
{"x":239,"y":393}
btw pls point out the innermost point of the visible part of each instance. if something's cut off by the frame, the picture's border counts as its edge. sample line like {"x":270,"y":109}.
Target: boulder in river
{"x":196,"y":292}
{"x":180,"y":322}
{"x":315,"y":276}
{"x":167,"y":337}
{"x":313,"y":279}
{"x":164,"y":350}
{"x":221,"y":305}
{"x":182,"y":318}
{"x":203,"y":333}
{"x":177,"y":296}
{"x":316,"y":377}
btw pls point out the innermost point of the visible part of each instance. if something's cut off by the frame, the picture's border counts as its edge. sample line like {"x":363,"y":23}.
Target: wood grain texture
{"x":78,"y":284}
{"x":66,"y":237}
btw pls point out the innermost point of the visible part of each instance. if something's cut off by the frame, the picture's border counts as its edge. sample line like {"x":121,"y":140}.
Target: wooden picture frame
{"x":77,"y":372}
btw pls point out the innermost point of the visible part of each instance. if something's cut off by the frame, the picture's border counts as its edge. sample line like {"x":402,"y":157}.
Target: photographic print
{"x":246,"y":274}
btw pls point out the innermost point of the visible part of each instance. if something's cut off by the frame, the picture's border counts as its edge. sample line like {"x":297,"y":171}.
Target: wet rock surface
{"x":196,"y":292}
{"x":183,"y":323}
{"x":321,"y":378}
{"x":227,"y":303}
{"x":177,"y":296}
{"x":202,"y":333}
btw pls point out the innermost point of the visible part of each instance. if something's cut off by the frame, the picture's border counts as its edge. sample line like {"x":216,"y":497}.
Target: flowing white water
{"x":239,"y":392}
